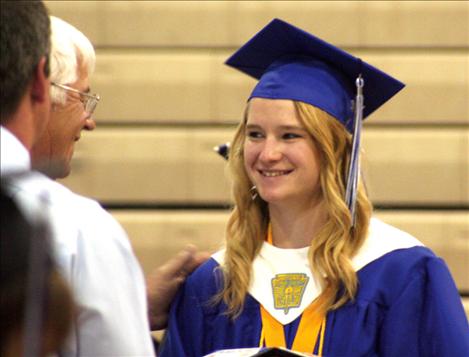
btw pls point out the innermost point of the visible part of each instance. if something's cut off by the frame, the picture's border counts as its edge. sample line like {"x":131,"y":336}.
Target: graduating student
{"x":306,"y":265}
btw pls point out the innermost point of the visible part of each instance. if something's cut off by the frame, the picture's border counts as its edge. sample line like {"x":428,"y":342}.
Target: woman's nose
{"x":271,"y":151}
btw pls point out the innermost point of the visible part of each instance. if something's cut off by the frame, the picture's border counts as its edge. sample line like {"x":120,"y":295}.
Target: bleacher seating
{"x":167,"y":99}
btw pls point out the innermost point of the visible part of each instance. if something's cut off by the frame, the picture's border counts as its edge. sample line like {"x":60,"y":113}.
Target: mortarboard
{"x":293,"y":64}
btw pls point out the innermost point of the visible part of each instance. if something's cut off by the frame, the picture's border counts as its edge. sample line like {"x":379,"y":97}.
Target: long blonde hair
{"x":335,"y":244}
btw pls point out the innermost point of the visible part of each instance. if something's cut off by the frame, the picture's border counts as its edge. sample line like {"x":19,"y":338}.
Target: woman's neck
{"x":295,"y":227}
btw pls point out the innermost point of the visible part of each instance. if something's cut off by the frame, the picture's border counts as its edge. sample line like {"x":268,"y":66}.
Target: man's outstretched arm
{"x":164,"y":282}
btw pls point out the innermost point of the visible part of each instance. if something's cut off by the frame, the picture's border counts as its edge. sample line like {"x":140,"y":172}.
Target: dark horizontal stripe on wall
{"x":225,"y":205}
{"x":232,"y":124}
{"x":408,"y":124}
{"x":165,"y":206}
{"x":448,"y":207}
{"x":222,"y":49}
{"x":135,"y":124}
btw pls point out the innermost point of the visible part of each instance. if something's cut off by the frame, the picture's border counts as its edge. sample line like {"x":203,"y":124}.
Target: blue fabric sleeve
{"x":427,"y":318}
{"x":184,"y":334}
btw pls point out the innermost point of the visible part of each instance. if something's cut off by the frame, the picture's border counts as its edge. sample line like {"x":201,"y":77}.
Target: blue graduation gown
{"x":407,"y":305}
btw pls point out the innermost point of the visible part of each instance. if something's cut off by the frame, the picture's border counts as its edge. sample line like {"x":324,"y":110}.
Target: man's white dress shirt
{"x":94,"y":255}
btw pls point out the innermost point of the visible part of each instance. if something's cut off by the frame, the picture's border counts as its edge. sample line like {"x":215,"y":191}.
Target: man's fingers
{"x":164,"y":282}
{"x":184,"y":262}
{"x":199,"y":258}
{"x":191,"y":264}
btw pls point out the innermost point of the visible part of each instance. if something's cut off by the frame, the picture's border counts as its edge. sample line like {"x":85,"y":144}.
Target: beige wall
{"x":167,"y":99}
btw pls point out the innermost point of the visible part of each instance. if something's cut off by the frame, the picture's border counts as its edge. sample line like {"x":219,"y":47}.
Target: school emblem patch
{"x":288,"y":290}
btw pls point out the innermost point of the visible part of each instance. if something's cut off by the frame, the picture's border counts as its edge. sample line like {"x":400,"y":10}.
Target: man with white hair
{"x":92,"y":250}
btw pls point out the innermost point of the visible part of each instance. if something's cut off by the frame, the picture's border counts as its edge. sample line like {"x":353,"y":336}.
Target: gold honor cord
{"x":312,"y":326}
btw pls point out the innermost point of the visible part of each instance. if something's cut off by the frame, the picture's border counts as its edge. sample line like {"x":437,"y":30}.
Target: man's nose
{"x":90,"y":124}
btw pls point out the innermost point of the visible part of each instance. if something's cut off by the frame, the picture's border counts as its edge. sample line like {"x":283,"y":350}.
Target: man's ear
{"x":40,"y":85}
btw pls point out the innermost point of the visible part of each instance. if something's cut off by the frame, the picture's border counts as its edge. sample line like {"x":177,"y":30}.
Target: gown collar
{"x":282,"y":280}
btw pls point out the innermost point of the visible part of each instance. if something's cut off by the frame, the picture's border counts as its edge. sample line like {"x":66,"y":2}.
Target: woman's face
{"x":280,"y":156}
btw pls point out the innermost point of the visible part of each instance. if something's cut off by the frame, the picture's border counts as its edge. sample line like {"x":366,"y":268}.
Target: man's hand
{"x":164,"y":282}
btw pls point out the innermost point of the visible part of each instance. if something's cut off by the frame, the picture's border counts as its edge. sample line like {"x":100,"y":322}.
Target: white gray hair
{"x":69,"y":49}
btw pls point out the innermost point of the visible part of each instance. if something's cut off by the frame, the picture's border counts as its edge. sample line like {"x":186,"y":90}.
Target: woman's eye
{"x":288,"y":136}
{"x":254,"y":134}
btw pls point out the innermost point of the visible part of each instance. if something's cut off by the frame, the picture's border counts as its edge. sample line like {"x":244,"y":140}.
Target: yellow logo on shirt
{"x":288,"y":290}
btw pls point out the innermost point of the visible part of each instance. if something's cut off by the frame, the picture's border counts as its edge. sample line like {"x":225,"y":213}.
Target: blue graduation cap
{"x":293,"y":64}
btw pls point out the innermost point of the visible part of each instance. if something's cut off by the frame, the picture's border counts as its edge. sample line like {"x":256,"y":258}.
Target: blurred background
{"x":167,"y":100}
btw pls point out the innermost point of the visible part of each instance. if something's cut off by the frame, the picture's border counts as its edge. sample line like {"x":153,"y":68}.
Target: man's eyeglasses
{"x":90,"y":101}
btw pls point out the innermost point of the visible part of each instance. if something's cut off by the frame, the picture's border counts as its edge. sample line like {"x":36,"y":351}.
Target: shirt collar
{"x":14,"y":155}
